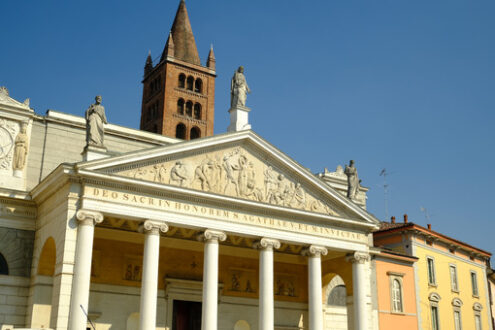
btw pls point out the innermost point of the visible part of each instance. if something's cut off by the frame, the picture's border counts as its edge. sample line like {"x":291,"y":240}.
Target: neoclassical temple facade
{"x":223,"y":232}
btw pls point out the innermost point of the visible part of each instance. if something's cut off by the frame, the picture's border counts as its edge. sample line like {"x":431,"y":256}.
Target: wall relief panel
{"x":234,"y":172}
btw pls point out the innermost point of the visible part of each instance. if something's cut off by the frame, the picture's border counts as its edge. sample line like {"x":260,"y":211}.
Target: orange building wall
{"x":387,"y":319}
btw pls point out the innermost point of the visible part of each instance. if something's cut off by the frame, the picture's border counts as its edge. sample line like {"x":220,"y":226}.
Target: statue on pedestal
{"x":238,"y":89}
{"x":95,"y":118}
{"x":352,"y":180}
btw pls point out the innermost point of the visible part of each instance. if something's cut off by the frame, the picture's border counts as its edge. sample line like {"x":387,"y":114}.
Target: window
{"x":190,"y":83}
{"x":195,"y":133}
{"x":431,"y":271}
{"x":396,"y":296}
{"x":338,"y":296}
{"x":189,"y":107}
{"x":457,"y":320}
{"x":198,"y":86}
{"x":453,"y":278}
{"x":197,"y":111}
{"x":182,"y":80}
{"x":477,"y":322}
{"x":474,"y":283}
{"x":180,"y":106}
{"x":180,"y":131}
{"x":434,"y":318}
{"x":4,"y":267}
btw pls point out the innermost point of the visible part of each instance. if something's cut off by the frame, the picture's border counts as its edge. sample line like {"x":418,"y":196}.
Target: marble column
{"x":209,"y":317}
{"x":315,"y":305}
{"x":359,"y":265}
{"x":82,"y":268}
{"x":266,"y":304}
{"x":149,"y":281}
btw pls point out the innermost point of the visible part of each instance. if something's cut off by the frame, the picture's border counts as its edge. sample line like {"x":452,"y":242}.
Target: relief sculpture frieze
{"x":233,"y":172}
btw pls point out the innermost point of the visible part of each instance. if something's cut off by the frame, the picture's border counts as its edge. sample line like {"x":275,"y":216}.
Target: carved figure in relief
{"x":95,"y":118}
{"x":238,"y":89}
{"x":20,"y":149}
{"x":299,"y":197}
{"x":229,"y":167}
{"x":160,"y":173}
{"x":215,"y":175}
{"x":352,"y":180}
{"x":236,"y":285}
{"x":141,"y":173}
{"x":270,"y":181}
{"x":178,"y":174}
{"x":202,"y":174}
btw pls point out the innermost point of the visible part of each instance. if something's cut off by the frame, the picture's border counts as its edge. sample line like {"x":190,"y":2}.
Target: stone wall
{"x":13,"y":299}
{"x":16,"y":246}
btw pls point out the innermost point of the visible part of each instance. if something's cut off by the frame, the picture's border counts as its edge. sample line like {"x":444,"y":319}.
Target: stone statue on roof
{"x":95,"y":120}
{"x":238,"y":89}
{"x":352,"y":180}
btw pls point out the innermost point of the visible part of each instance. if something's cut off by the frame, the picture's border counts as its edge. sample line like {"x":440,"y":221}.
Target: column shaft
{"x":82,"y":269}
{"x":266,"y":299}
{"x":314,"y":287}
{"x":209,"y":315}
{"x":359,"y":290}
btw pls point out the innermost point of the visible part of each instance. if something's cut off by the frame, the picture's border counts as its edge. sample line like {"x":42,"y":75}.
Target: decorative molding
{"x":434,"y":297}
{"x":212,"y":235}
{"x":315,"y":251}
{"x":358,"y":257}
{"x":477,"y":307}
{"x":391,"y":273}
{"x":267,"y":243}
{"x":153,"y":227}
{"x":456,"y":302}
{"x":89,"y":218}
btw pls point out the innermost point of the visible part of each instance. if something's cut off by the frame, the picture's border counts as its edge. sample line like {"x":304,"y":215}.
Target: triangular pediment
{"x":240,"y":165}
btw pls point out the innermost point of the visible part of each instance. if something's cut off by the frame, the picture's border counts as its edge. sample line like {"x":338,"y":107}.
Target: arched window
{"x":190,"y":83}
{"x":180,"y":106}
{"x":198,"y":86}
{"x":180,"y":131}
{"x":197,"y":111}
{"x":396,"y":296}
{"x":182,"y":80}
{"x":189,"y":108}
{"x":4,"y":268}
{"x":195,"y":133}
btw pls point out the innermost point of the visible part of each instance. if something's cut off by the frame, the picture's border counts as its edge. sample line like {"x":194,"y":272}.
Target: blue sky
{"x":402,"y":85}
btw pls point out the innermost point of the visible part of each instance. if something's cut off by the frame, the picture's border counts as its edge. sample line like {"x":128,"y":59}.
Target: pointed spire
{"x":211,"y":61}
{"x":149,"y":64}
{"x":183,"y":38}
{"x":169,"y":46}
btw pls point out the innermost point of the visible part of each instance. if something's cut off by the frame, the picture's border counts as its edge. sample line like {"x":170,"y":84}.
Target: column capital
{"x":212,"y":235}
{"x":315,"y":251}
{"x":88,"y":218}
{"x":267,"y":243}
{"x":358,"y":257}
{"x":153,"y":227}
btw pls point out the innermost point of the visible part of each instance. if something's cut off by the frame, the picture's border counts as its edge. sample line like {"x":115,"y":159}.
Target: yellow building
{"x":451,"y":284}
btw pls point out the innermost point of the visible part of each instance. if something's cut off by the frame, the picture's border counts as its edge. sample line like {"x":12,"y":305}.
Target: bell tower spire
{"x":178,"y":92}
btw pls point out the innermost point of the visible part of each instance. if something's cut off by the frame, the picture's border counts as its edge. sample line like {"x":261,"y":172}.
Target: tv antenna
{"x":425,"y":211}
{"x":384,"y":173}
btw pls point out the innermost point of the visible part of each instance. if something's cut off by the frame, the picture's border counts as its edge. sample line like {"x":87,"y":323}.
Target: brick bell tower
{"x":178,"y":92}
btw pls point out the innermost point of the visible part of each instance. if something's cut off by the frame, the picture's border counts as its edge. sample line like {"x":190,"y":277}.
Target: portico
{"x":260,"y":247}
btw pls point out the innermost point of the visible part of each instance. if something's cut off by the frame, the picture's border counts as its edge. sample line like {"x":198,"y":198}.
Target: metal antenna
{"x":425,"y":211}
{"x":384,"y":173}
{"x":87,"y":317}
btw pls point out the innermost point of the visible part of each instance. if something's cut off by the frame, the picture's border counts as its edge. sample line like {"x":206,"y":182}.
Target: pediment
{"x":239,"y":165}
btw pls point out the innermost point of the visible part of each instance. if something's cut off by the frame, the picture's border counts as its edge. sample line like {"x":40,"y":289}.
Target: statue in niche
{"x":249,"y":288}
{"x":238,"y":89}
{"x":20,"y":149}
{"x":95,"y":118}
{"x":178,"y":174}
{"x":352,"y":180}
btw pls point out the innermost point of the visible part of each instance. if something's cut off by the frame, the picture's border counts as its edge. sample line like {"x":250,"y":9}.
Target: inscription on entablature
{"x":221,"y":214}
{"x":234,"y":172}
